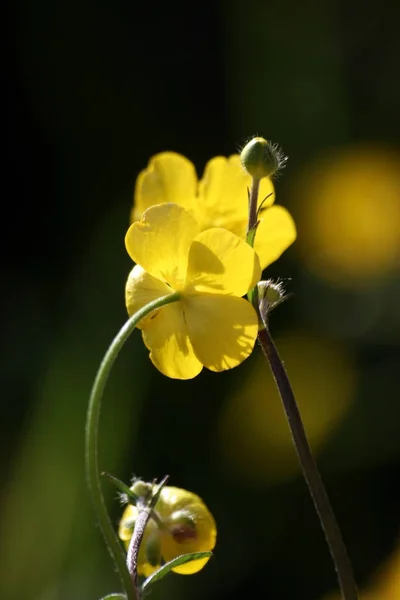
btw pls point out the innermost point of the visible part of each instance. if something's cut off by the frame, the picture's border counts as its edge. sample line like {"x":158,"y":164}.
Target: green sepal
{"x":179,"y":560}
{"x":252,"y":297}
{"x":158,"y":491}
{"x":262,"y":203}
{"x":251,"y":235}
{"x":125,"y":489}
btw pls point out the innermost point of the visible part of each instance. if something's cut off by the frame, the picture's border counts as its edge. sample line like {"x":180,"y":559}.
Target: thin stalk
{"x":310,"y":471}
{"x":309,"y":467}
{"x":91,"y":440}
{"x":253,"y":198}
{"x":144,"y":514}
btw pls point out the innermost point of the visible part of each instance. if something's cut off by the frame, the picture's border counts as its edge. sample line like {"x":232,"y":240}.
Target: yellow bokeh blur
{"x":349,"y":207}
{"x":385,"y":583}
{"x":253,"y":436}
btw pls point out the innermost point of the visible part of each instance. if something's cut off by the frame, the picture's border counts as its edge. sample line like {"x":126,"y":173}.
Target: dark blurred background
{"x":93,"y":90}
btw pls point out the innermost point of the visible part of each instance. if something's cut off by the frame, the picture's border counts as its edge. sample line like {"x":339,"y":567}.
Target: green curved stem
{"x":91,"y":440}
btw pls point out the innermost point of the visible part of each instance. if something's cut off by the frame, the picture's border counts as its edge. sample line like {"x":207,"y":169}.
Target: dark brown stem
{"x":309,"y":467}
{"x":253,"y":199}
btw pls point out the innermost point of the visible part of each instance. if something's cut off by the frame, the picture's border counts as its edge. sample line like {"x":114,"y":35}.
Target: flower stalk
{"x":309,"y":467}
{"x":145,"y":510}
{"x":132,"y":557}
{"x":310,"y":470}
{"x":253,"y":198}
{"x":91,"y":441}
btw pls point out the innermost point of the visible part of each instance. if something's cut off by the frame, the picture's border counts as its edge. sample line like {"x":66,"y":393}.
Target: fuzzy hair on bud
{"x":142,"y":489}
{"x":270,"y":294}
{"x":261,"y":158}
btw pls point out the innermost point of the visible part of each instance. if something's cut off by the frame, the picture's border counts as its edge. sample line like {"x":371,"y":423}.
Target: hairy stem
{"x":146,"y":510}
{"x":91,"y":441}
{"x":134,"y":545}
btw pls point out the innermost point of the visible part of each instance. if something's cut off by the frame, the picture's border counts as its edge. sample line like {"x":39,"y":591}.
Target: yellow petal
{"x":223,"y":329}
{"x":174,"y":498}
{"x":160,"y":242}
{"x":275,"y":234}
{"x":142,"y":288}
{"x":169,"y":177}
{"x":194,"y":566}
{"x":223,"y":199}
{"x":221,"y":263}
{"x":127,"y":523}
{"x":202,"y":538}
{"x":170,"y":348}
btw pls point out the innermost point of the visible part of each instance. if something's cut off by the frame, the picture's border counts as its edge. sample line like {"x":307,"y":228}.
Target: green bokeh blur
{"x":95,"y":89}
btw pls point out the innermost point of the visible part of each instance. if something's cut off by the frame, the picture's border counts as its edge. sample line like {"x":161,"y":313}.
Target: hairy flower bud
{"x":142,"y":489}
{"x":182,"y":524}
{"x":261,"y":159}
{"x":270,"y":294}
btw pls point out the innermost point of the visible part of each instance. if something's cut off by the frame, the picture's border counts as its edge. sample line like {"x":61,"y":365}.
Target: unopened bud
{"x":141,"y":489}
{"x":270,"y":294}
{"x":261,"y":159}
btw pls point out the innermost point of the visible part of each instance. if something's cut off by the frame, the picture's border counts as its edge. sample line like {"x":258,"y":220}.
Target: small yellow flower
{"x":211,"y":324}
{"x":219,"y":199}
{"x":186,"y":526}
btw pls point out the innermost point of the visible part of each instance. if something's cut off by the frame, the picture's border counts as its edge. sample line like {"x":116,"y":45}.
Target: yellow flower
{"x":219,"y":199}
{"x":186,"y":526}
{"x":211,"y":324}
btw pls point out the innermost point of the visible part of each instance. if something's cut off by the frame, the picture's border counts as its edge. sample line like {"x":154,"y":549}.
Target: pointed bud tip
{"x":261,"y":159}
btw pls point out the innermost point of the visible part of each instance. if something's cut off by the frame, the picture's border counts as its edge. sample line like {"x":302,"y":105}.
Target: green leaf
{"x":114,"y":597}
{"x":179,"y":560}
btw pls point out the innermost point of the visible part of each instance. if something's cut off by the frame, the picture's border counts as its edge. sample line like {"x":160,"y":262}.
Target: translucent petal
{"x":223,"y":198}
{"x":221,"y":263}
{"x":171,"y":350}
{"x":275,"y":234}
{"x":169,"y":177}
{"x":142,"y":288}
{"x":127,"y":523}
{"x":174,"y":498}
{"x":200,"y":525}
{"x":160,"y":242}
{"x":223,"y":329}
